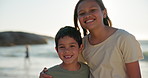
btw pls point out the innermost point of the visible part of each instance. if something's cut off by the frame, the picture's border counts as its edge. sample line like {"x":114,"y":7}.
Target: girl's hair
{"x":70,"y":32}
{"x":106,"y":20}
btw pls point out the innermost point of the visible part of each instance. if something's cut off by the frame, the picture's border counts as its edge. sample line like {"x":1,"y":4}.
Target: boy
{"x":68,"y":46}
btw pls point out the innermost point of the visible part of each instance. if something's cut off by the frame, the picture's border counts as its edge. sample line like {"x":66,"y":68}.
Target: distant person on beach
{"x":109,"y":52}
{"x":68,"y":46}
{"x":27,"y":57}
{"x":27,"y":51}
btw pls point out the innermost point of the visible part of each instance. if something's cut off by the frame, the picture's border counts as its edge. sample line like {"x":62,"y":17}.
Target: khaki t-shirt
{"x":59,"y":72}
{"x":107,"y":59}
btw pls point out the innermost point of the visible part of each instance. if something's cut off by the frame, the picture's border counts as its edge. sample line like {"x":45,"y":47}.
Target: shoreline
{"x":19,"y":67}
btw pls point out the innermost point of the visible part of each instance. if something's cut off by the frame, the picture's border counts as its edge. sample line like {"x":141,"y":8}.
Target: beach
{"x":21,"y":68}
{"x":13,"y":63}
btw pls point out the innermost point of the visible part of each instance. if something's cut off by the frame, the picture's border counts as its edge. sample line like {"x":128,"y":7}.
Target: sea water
{"x":13,"y":63}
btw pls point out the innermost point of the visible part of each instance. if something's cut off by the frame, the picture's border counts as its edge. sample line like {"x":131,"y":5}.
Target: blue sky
{"x":45,"y":17}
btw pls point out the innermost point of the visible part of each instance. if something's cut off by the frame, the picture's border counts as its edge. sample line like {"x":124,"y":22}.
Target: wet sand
{"x":21,"y":68}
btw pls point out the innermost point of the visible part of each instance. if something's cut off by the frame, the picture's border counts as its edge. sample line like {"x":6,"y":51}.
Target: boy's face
{"x":68,"y":50}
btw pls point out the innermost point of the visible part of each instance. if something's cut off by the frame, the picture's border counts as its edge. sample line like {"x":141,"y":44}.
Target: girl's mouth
{"x":89,"y":21}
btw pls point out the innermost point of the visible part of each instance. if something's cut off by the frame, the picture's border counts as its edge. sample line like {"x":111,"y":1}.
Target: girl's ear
{"x":104,"y":13}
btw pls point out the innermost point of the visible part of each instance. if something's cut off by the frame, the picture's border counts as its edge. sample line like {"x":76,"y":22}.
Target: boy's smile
{"x":67,"y":57}
{"x":68,"y":50}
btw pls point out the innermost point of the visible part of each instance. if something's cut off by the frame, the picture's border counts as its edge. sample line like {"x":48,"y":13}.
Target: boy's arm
{"x":133,"y":70}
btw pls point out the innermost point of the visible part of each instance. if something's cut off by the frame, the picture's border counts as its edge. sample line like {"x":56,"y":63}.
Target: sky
{"x":46,"y":17}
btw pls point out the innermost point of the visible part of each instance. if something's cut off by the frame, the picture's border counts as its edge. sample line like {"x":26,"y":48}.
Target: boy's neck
{"x":71,"y":67}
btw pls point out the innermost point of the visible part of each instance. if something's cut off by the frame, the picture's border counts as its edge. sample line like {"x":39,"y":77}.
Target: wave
{"x":145,"y":54}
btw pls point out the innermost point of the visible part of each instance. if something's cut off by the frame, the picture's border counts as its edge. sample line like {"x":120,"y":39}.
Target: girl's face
{"x":90,"y":14}
{"x":68,"y":50}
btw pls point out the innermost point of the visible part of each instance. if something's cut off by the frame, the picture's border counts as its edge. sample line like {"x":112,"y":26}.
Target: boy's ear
{"x":81,"y":48}
{"x":56,"y":49}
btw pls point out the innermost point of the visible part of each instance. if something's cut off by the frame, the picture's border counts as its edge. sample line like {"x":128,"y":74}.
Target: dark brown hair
{"x":70,"y":32}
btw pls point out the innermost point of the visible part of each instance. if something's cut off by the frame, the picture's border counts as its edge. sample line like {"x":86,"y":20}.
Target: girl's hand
{"x":44,"y":75}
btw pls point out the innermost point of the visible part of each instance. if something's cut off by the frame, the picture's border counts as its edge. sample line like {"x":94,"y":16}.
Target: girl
{"x":109,"y":52}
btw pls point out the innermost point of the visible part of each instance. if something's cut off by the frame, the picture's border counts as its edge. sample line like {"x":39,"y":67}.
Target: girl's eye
{"x":93,"y":10}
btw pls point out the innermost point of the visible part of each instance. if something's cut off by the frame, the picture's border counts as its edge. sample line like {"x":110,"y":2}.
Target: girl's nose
{"x":87,"y":15}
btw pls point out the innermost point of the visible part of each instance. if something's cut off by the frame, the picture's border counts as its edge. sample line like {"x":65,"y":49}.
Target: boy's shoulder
{"x":54,"y":68}
{"x":57,"y":68}
{"x":83,"y":65}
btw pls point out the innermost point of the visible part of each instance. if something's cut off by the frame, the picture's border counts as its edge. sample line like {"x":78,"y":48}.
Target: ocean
{"x":13,"y":63}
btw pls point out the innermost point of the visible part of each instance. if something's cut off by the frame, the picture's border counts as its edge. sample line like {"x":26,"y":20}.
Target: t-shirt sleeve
{"x":131,"y":49}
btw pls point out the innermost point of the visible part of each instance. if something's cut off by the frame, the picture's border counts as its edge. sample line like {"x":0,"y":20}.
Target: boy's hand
{"x":44,"y":75}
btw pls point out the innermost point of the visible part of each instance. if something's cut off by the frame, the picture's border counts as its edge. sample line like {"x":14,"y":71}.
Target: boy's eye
{"x":61,"y":47}
{"x":81,"y":14}
{"x":72,"y":46}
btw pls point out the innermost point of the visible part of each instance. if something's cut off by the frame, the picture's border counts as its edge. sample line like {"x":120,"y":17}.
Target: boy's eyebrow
{"x":69,"y":43}
{"x":60,"y":44}
{"x":73,"y":43}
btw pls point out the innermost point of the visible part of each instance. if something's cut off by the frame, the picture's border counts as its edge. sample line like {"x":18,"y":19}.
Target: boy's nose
{"x":67,"y":50}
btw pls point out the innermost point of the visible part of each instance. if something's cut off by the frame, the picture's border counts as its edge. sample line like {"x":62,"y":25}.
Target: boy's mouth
{"x":68,"y":57}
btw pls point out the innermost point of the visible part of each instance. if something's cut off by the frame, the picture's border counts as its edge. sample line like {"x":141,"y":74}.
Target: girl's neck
{"x":99,"y":35}
{"x":71,"y":67}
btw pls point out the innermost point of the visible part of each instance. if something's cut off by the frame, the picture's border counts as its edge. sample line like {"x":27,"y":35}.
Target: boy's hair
{"x":68,"y":31}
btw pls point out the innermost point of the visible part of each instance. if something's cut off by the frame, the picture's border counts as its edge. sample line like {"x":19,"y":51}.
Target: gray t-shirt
{"x":59,"y":72}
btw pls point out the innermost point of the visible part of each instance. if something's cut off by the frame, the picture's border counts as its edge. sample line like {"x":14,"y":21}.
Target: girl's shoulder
{"x":122,"y":33}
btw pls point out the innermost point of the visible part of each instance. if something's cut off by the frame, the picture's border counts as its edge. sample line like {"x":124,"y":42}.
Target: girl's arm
{"x":133,"y":70}
{"x":44,"y":75}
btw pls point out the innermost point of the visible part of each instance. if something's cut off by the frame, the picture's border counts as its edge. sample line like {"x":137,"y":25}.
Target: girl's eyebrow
{"x":93,"y":6}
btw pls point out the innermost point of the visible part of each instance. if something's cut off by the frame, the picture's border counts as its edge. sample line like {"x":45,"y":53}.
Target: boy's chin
{"x":68,"y":62}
